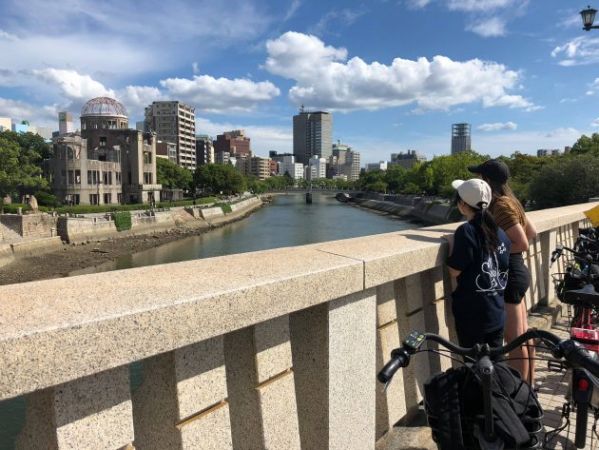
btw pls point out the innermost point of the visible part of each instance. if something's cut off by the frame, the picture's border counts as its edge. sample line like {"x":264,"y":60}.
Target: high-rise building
{"x":408,"y":159}
{"x":174,"y":121}
{"x":460,"y":138}
{"x":222,"y":157}
{"x":316,"y":168}
{"x":204,"y":150}
{"x":312,"y":135}
{"x":235,"y":142}
{"x":287,"y":165}
{"x":344,"y":161}
{"x":65,"y":122}
{"x":107,"y":162}
{"x":548,"y":152}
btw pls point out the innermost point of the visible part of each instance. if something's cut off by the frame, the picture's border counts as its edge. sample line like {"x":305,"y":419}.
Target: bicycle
{"x":480,"y":361}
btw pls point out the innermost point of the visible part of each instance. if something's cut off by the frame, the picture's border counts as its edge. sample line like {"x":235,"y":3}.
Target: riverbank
{"x":92,"y":253}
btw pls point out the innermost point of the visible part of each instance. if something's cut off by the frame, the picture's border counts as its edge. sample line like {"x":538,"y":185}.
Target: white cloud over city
{"x":498,"y":126}
{"x":325,"y":78}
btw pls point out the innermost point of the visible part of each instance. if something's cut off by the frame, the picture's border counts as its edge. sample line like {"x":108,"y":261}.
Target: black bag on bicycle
{"x":454,"y":407}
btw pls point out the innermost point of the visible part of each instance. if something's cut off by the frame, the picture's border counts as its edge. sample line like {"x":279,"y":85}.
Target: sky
{"x":395,"y":73}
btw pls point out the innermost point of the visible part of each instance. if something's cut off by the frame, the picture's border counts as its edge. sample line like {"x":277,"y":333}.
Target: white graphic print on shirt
{"x":491,"y":279}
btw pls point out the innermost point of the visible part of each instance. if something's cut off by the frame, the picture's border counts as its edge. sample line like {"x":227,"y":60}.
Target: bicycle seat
{"x":587,"y":295}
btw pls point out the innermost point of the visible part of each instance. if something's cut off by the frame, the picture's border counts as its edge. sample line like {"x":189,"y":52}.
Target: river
{"x":287,"y":221}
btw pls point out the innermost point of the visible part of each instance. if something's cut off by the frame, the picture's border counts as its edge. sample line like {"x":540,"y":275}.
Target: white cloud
{"x":493,"y":27}
{"x":498,"y":126}
{"x":136,"y":98}
{"x":326,"y":79}
{"x":264,"y":138}
{"x":560,"y":133}
{"x":18,"y":110}
{"x":73,"y":85}
{"x":578,"y":51}
{"x":293,"y":7}
{"x":417,"y":4}
{"x":595,"y":123}
{"x":345,"y":17}
{"x":478,"y":5}
{"x":220,"y":94}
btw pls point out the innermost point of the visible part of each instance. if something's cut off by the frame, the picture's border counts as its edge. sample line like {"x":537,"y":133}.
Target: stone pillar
{"x":182,"y":402}
{"x":261,"y":387}
{"x":335,"y":361}
{"x":548,"y":243}
{"x":391,"y":329}
{"x":92,"y":412}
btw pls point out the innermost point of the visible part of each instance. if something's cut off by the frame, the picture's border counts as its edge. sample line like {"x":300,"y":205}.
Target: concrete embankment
{"x":96,"y":228}
{"x":428,"y":211}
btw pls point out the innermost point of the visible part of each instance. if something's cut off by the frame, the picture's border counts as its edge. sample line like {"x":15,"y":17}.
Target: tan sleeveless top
{"x":507,"y":212}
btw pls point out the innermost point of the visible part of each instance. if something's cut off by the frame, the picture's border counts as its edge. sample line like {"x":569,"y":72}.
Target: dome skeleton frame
{"x":103,"y":106}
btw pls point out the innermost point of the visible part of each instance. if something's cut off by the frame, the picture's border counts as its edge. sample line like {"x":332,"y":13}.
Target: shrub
{"x":225,"y":207}
{"x":122,"y":220}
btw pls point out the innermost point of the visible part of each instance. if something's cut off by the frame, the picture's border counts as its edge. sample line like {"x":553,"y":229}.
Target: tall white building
{"x":174,"y":121}
{"x":287,"y":164}
{"x":312,"y":135}
{"x":316,"y":168}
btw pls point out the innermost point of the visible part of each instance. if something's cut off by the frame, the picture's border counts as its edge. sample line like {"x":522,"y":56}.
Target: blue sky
{"x":396,"y":73}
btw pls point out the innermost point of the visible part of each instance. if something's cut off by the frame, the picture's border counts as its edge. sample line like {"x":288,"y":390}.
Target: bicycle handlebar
{"x":567,"y":349}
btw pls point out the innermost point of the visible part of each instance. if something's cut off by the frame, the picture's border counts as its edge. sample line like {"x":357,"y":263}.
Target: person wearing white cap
{"x":478,"y":259}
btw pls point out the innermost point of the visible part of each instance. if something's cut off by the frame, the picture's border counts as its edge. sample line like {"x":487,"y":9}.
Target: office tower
{"x":312,"y":135}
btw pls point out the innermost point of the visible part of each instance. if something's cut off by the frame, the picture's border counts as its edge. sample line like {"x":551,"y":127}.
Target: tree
{"x":21,"y":158}
{"x":395,"y":177}
{"x":445,"y":169}
{"x":171,"y":176}
{"x":565,"y":182}
{"x":217,"y":178}
{"x":586,"y":145}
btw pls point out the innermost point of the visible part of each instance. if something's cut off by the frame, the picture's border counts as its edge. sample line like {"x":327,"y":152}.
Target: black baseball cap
{"x":492,"y":169}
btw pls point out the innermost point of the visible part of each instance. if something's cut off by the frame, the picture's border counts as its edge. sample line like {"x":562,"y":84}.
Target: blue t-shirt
{"x":478,"y":305}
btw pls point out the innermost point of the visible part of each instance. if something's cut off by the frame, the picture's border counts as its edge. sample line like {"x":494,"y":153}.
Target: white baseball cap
{"x":475,"y":192}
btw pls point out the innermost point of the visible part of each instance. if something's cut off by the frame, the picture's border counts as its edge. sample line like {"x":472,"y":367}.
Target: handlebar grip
{"x":582,"y":414}
{"x":578,"y":356}
{"x":399,"y":358}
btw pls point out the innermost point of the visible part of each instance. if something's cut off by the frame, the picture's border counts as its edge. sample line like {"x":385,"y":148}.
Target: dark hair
{"x":485,"y":225}
{"x":503,"y":190}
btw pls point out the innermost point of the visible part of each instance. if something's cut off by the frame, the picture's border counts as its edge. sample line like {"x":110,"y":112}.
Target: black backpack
{"x":454,"y":407}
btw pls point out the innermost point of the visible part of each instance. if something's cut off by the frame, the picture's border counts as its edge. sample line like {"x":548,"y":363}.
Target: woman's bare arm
{"x":530,"y":230}
{"x":518,"y":237}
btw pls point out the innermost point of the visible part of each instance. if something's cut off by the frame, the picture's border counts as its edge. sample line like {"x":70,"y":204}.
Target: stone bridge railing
{"x":274,"y":349}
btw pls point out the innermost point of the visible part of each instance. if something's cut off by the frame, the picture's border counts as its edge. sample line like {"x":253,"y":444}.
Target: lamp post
{"x":588,"y":17}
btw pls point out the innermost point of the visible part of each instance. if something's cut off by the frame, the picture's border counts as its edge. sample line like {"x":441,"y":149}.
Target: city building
{"x":344,"y":161}
{"x":287,"y":165}
{"x":258,"y":167}
{"x":166,"y":150}
{"x":140,"y":125}
{"x":222,"y":157}
{"x":234,"y":142}
{"x":65,"y":122}
{"x":567,"y":149}
{"x":274,"y":167}
{"x":5,"y":124}
{"x":381,"y":165}
{"x":105,"y":163}
{"x":460,"y":138}
{"x":408,"y":159}
{"x":173,"y":121}
{"x":44,"y":132}
{"x":312,"y":135}
{"x":548,"y":152}
{"x":316,"y":168}
{"x":204,"y":150}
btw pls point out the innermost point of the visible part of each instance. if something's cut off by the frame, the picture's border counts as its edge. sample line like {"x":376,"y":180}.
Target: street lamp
{"x":588,"y":17}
